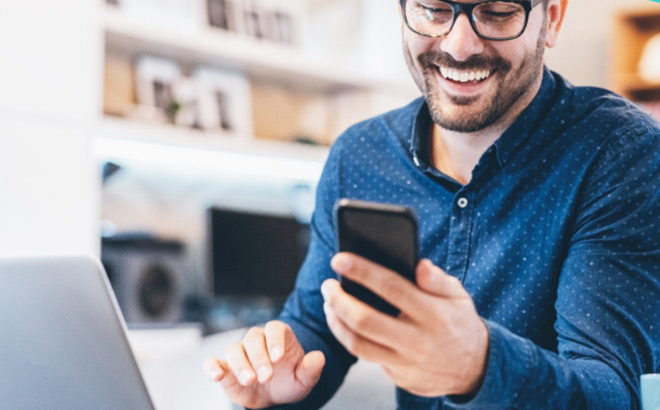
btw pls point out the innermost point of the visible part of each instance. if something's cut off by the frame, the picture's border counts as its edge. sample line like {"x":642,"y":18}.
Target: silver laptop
{"x":63,"y":341}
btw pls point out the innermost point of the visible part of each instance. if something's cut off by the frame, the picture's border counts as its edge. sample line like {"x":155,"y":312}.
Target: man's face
{"x":502,"y":72}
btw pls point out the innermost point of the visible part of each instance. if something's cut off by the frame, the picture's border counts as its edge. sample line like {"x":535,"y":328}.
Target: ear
{"x":555,"y":12}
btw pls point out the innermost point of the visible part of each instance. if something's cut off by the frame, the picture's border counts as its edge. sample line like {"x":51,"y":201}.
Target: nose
{"x":462,"y":42}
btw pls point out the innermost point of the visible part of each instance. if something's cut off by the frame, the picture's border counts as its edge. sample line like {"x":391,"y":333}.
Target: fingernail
{"x":216,"y":374}
{"x":245,"y":376}
{"x":433,"y":271}
{"x":342,"y":263}
{"x":275,"y":354}
{"x":263,"y":373}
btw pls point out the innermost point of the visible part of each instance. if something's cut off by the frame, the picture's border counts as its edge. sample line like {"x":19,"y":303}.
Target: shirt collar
{"x":505,"y":146}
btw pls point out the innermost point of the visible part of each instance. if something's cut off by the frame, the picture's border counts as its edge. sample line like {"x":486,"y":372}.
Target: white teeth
{"x":464,"y":76}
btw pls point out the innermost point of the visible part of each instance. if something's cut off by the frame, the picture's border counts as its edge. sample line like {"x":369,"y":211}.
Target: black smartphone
{"x":385,"y":234}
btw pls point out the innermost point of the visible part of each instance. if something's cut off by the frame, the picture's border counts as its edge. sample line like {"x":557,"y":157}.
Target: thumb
{"x":309,"y":370}
{"x":435,"y":281}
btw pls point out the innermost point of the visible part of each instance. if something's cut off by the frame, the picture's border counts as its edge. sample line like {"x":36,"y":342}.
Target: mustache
{"x":432,"y":58}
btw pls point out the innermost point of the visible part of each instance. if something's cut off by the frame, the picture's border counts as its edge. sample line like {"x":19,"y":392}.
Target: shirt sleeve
{"x":608,"y":309}
{"x":303,"y":310}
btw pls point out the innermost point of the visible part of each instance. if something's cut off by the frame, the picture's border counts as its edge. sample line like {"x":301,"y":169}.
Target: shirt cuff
{"x":508,"y":371}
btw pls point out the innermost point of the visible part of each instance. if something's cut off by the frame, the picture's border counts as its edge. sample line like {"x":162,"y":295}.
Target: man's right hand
{"x":267,"y":368}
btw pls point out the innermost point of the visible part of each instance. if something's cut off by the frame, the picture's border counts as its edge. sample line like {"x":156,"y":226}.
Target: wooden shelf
{"x":637,"y":88}
{"x":166,"y":134}
{"x":632,"y":29}
{"x":260,"y":59}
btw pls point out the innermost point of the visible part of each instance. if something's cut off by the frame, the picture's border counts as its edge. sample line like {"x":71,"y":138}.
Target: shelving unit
{"x":259,"y":59}
{"x":632,"y":30}
{"x":265,"y":63}
{"x":168,"y":145}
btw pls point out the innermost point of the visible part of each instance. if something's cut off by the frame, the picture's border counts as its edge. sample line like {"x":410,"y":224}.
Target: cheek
{"x":417,"y":44}
{"x":514,"y":51}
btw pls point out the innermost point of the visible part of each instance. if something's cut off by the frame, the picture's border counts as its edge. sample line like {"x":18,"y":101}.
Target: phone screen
{"x":385,"y":234}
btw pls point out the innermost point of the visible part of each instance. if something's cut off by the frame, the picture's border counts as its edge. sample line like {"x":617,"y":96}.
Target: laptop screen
{"x":63,"y":343}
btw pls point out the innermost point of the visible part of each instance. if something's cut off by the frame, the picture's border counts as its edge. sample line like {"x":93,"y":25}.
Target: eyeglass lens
{"x":496,"y":19}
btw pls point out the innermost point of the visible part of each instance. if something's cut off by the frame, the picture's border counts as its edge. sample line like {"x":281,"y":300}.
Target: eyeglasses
{"x":490,"y":19}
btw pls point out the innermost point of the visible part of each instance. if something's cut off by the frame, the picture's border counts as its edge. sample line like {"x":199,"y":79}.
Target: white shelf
{"x":126,"y":140}
{"x":260,"y":59}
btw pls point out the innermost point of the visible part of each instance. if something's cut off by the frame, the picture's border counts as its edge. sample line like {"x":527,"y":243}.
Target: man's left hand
{"x":436,"y":346}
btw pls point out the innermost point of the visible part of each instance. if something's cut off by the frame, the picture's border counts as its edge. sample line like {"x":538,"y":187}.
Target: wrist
{"x":476,"y":372}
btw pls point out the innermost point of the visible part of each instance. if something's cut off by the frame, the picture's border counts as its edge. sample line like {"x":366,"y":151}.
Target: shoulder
{"x":594,"y":125}
{"x":606,"y":115}
{"x":619,"y":134}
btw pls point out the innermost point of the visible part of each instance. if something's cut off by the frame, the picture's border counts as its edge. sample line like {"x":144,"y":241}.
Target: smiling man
{"x":538,"y":204}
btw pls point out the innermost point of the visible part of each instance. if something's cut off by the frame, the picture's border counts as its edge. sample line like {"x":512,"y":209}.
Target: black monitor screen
{"x":255,"y":254}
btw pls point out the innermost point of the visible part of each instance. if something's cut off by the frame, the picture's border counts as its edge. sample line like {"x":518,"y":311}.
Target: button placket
{"x":459,"y":235}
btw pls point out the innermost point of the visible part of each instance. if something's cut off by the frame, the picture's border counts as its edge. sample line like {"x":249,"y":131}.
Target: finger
{"x":384,"y":282}
{"x":277,"y":334}
{"x":215,"y":369}
{"x":254,"y":344}
{"x":435,"y":281}
{"x":309,"y":371}
{"x":361,"y":318}
{"x":356,"y":344}
{"x":218,"y":370}
{"x":240,"y":364}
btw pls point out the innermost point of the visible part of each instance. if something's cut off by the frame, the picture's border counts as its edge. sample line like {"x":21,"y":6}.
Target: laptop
{"x":63,"y":343}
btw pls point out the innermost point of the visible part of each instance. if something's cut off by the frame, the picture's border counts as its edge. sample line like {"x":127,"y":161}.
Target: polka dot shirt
{"x":556,"y":237}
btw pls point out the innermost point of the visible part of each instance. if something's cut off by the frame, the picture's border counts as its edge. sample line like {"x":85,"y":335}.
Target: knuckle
{"x":360,"y":321}
{"x":234,"y":349}
{"x":273,"y":325}
{"x":391,"y":290}
{"x":276,"y":326}
{"x":253,"y":332}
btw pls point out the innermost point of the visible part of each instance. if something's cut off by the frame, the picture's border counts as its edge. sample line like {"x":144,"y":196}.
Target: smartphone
{"x":385,"y":234}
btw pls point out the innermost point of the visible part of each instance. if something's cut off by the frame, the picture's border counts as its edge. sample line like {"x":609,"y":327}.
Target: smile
{"x":463,"y":76}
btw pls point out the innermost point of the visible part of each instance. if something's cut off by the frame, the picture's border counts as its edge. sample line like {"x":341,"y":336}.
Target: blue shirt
{"x":556,"y":238}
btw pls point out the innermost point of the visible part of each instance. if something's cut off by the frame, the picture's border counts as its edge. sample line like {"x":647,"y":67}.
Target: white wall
{"x":583,"y":53}
{"x":50,"y":78}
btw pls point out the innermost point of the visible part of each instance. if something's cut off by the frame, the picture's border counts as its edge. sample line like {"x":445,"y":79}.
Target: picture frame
{"x":224,"y":15}
{"x":155,"y":79}
{"x":224,"y":102}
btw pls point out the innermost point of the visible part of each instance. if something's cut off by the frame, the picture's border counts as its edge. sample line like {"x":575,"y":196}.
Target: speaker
{"x":147,"y":276}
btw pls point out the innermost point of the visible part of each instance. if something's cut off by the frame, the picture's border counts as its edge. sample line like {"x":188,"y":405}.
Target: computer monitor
{"x":255,"y":254}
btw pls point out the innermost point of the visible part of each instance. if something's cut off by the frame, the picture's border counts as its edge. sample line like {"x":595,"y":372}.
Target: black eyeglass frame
{"x":468,"y":9}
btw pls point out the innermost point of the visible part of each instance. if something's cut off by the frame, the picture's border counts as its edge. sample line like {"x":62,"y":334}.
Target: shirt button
{"x":462,"y":202}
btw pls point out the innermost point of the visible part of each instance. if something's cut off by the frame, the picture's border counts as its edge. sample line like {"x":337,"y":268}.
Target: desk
{"x":178,"y":382}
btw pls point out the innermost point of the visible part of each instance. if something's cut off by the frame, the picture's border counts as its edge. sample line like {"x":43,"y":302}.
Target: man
{"x":538,"y":205}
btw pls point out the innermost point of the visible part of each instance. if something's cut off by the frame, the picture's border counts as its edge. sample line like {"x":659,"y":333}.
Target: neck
{"x":457,"y":153}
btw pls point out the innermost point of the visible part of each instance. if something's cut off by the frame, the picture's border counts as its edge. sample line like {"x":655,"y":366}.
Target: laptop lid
{"x":63,"y":343}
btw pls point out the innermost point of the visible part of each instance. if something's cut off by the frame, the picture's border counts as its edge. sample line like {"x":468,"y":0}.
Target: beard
{"x":510,"y":86}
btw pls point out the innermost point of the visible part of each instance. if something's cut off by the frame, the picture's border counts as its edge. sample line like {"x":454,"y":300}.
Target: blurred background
{"x":181,"y":140}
